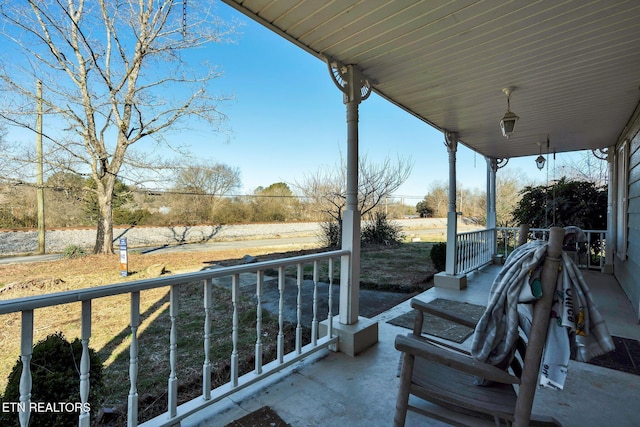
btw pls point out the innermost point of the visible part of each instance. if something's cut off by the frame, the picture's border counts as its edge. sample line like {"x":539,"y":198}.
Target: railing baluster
{"x":462,"y":255}
{"x":259,"y":290}
{"x":473,"y":254}
{"x":299,"y":310}
{"x":473,"y":251}
{"x":26,"y":351}
{"x":235,"y":291}
{"x":132,"y":413}
{"x":468,"y":255}
{"x":459,"y":257}
{"x":281,"y":315}
{"x":314,"y":321}
{"x":469,"y":249}
{"x":206,"y":366}
{"x":603,"y":250}
{"x":330,"y":312}
{"x":588,"y":250}
{"x":85,"y":364}
{"x":172,"y":401}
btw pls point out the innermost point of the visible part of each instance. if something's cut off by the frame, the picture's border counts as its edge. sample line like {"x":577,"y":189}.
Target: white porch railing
{"x":175,"y":412}
{"x":474,"y":249}
{"x":588,"y":255}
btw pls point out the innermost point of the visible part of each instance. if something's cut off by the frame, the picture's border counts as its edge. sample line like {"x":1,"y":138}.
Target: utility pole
{"x":39,"y":182}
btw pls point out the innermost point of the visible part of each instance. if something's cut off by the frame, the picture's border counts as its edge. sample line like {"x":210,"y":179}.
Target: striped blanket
{"x":576,"y":330}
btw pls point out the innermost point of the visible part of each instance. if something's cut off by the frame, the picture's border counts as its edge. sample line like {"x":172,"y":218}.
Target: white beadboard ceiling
{"x":575,"y":64}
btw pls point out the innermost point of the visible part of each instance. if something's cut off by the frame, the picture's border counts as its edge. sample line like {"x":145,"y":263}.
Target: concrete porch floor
{"x":333,"y":389}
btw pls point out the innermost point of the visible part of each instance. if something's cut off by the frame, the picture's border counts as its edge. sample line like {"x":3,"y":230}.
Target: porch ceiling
{"x":575,"y":64}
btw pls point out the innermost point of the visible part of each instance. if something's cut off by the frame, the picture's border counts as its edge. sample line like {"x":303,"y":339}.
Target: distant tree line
{"x":70,"y":202}
{"x":473,"y":202}
{"x":575,"y":200}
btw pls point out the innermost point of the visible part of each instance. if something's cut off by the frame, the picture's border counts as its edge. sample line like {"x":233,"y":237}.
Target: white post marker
{"x":124,"y":263}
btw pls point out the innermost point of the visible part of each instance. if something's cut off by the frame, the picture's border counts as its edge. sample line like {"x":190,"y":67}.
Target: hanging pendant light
{"x":540,"y":161}
{"x":508,"y":121}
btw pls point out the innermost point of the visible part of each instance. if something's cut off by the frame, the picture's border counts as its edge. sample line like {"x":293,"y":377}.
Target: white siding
{"x":627,"y":268}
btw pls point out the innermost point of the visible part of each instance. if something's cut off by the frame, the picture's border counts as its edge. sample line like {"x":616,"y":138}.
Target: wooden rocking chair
{"x":446,"y":377}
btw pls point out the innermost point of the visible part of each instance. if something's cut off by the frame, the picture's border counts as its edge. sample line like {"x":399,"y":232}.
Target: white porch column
{"x":449,"y":278}
{"x":611,"y":194}
{"x":492,"y":168}
{"x":488,"y":191}
{"x":493,"y":165}
{"x":492,"y":195}
{"x":349,"y":298}
{"x":451,"y":142}
{"x":356,"y":333}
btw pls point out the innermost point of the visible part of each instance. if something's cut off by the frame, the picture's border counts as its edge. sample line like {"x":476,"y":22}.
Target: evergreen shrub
{"x":382,"y":231}
{"x":438,"y":256}
{"x":73,"y":251}
{"x":55,"y":371}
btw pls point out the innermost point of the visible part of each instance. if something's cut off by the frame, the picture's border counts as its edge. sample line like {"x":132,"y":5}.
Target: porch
{"x":335,"y":389}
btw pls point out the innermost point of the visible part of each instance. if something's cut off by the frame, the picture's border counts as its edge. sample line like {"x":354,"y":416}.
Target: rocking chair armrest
{"x":417,"y":347}
{"x":424,"y":307}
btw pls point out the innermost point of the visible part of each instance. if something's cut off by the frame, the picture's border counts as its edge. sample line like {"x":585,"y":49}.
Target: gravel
{"x":14,"y":242}
{"x":24,"y":242}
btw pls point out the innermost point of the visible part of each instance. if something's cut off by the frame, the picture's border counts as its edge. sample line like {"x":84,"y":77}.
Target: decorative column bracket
{"x":497,"y":164}
{"x":451,"y":142}
{"x":342,"y":75}
{"x":355,"y":88}
{"x":602,"y":153}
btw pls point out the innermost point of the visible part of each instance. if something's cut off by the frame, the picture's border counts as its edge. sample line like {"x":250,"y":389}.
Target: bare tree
{"x":326,"y":188}
{"x":438,"y":199}
{"x":471,"y":202}
{"x":114,"y":75}
{"x":215,"y":179}
{"x":509,"y":183}
{"x":200,"y":186}
{"x":586,"y":167}
{"x":275,"y":203}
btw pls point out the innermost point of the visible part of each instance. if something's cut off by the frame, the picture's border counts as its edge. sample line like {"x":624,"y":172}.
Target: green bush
{"x":73,"y":251}
{"x":381,"y":231}
{"x":331,"y":234}
{"x":7,"y":220}
{"x":130,"y":217}
{"x":438,"y":256}
{"x":55,"y":370}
